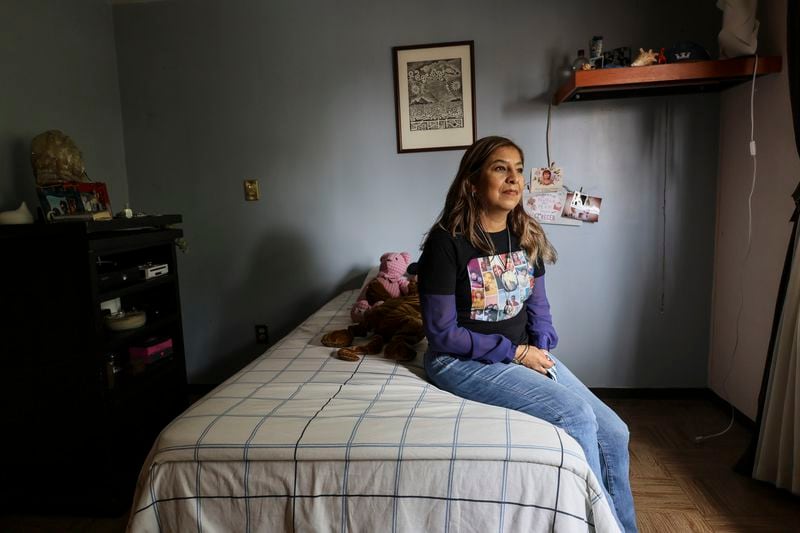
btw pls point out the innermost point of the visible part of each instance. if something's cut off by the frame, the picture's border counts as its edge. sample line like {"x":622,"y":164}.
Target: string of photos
{"x":550,"y":201}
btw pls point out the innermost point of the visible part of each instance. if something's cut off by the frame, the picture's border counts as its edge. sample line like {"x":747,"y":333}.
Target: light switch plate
{"x":251,"y":193}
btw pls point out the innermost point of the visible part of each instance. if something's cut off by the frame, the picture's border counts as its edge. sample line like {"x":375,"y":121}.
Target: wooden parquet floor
{"x":678,"y":485}
{"x":683,"y":486}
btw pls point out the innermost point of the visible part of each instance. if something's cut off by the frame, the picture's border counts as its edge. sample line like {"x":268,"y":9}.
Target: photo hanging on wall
{"x":582,"y":206}
{"x":434,"y":89}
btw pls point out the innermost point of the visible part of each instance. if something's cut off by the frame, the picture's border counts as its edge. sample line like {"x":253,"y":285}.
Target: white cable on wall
{"x":752,"y":147}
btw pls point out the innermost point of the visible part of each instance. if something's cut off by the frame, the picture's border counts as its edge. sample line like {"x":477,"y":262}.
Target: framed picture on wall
{"x":434,"y":93}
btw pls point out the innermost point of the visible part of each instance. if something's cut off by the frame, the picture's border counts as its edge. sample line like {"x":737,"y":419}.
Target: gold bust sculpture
{"x":55,"y":158}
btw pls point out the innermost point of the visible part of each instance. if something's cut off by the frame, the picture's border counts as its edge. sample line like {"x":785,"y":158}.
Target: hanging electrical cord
{"x":664,"y":206}
{"x":547,"y":135}
{"x":744,"y":261}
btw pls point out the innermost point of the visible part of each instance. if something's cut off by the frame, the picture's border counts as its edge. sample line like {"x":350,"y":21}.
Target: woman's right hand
{"x":533,"y":358}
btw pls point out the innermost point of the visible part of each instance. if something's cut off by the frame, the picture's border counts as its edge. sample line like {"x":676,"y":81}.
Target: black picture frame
{"x":434,"y":94}
{"x":75,"y":200}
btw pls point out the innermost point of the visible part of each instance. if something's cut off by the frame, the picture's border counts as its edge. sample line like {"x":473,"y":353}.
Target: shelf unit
{"x":672,"y":78}
{"x":76,"y":432}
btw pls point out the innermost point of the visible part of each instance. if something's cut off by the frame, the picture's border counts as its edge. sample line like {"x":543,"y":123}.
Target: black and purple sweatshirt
{"x":472,"y":303}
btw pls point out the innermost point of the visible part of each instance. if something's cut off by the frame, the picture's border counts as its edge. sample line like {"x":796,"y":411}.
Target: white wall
{"x":749,"y":289}
{"x":59,"y":71}
{"x":300,"y":95}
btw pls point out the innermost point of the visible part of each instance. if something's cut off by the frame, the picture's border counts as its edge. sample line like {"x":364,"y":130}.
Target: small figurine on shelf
{"x":596,"y":51}
{"x":645,"y":58}
{"x":662,"y":59}
{"x":580,"y":61}
{"x":596,"y":47}
{"x":686,"y":51}
{"x":617,"y":58}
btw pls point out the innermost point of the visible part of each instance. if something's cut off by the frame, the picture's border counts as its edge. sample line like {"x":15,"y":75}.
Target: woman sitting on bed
{"x":471,"y":348}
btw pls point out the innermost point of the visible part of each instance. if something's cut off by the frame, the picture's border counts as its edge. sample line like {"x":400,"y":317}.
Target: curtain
{"x":777,"y":458}
{"x":777,"y":454}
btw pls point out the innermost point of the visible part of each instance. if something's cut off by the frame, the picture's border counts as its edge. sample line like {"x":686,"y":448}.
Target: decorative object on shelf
{"x":680,"y":77}
{"x":580,"y":61}
{"x":662,"y":59}
{"x":65,"y":190}
{"x":596,"y":48}
{"x":587,"y":66}
{"x":618,"y":57}
{"x":645,"y":58}
{"x":75,"y":201}
{"x":21,"y":215}
{"x":434,"y":96}
{"x":56,"y":158}
{"x":686,"y":51}
{"x":739,"y":34}
{"x":126,"y":320}
{"x":596,"y":58}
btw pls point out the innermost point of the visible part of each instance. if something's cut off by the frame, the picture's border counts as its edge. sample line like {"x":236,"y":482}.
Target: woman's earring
{"x":473,"y":194}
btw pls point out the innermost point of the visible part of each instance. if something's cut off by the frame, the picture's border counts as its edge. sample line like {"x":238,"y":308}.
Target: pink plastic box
{"x":151,"y":352}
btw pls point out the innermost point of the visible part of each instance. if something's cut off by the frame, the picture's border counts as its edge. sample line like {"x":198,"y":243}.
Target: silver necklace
{"x":491,"y":242}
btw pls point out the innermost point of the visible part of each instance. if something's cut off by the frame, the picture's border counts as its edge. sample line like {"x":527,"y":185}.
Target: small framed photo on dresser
{"x":71,"y":200}
{"x":434,"y":86}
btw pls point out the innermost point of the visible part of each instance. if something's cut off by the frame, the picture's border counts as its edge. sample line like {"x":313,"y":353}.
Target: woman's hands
{"x":533,"y":358}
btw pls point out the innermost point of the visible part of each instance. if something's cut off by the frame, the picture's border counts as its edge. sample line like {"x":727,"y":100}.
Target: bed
{"x":302,"y":441}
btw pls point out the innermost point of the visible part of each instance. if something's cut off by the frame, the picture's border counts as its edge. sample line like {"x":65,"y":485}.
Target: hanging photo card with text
{"x":546,"y":207}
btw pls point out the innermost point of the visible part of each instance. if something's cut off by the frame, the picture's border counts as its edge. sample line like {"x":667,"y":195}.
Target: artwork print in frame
{"x":434,"y":96}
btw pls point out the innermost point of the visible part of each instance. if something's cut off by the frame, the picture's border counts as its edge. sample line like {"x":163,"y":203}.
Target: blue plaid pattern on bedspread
{"x":300,"y":441}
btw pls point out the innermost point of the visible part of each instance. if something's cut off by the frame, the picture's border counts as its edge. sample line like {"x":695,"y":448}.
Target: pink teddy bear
{"x":392,"y":276}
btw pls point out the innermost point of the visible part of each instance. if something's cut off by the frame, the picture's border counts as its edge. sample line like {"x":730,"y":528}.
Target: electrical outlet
{"x":251,"y":192}
{"x":262,"y":334}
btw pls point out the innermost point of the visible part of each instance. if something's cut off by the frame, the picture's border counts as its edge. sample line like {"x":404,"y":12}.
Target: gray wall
{"x":300,"y":95}
{"x":59,"y":71}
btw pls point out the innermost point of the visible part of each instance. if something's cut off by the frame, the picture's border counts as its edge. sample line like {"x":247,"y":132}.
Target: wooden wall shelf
{"x":672,"y":78}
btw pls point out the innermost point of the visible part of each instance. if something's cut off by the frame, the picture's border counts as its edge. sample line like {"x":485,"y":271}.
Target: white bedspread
{"x":302,"y":441}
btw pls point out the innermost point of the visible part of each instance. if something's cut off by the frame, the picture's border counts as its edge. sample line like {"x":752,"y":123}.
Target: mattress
{"x":302,"y":441}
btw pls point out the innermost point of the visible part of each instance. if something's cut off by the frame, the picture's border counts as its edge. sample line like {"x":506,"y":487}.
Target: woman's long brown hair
{"x":461,"y":212}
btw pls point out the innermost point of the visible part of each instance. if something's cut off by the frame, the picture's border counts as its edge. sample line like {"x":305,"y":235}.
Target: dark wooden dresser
{"x":79,"y":412}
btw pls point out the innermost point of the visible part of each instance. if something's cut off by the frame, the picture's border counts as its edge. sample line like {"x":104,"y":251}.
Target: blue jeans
{"x":563,"y":401}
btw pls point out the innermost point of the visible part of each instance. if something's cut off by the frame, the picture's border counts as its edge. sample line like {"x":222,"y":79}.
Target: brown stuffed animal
{"x":396,"y":323}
